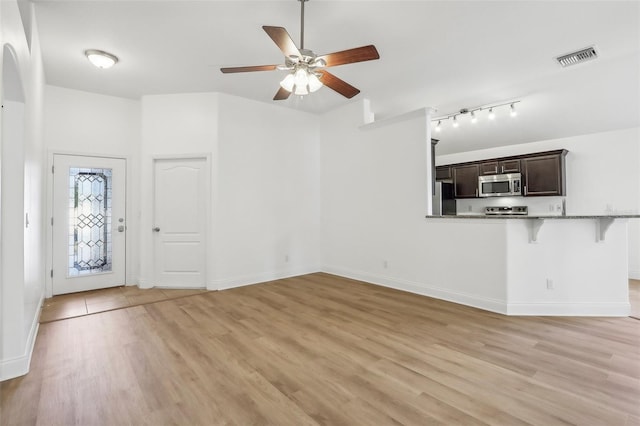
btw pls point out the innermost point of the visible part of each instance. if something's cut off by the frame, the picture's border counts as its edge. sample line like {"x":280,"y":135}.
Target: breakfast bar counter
{"x":602,"y":222}
{"x":533,"y":265}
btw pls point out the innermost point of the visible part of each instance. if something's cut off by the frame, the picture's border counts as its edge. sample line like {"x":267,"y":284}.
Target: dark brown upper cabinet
{"x":465,"y":181}
{"x":498,"y":167}
{"x":443,"y":173}
{"x":544,"y":174}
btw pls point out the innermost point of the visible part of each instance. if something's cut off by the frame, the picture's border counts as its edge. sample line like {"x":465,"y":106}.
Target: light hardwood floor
{"x":320,"y":349}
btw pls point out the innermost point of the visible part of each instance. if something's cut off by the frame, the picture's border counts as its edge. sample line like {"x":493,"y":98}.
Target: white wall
{"x":83,"y":123}
{"x":22,"y":256}
{"x":374,"y":200}
{"x":267,"y":205}
{"x":265,"y":188}
{"x":603,"y":176}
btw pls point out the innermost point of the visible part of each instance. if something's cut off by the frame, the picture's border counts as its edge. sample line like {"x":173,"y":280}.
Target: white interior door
{"x":89,"y":227}
{"x":180,"y":212}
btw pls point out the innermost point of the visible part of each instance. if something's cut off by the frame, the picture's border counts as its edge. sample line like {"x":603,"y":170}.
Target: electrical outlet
{"x":549,"y":284}
{"x":286,"y":258}
{"x":385,"y":264}
{"x":551,"y":207}
{"x":469,"y":208}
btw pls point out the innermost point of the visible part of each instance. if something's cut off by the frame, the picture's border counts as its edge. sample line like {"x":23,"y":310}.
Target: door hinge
{"x":51,"y":273}
{"x":52,"y":221}
{"x":53,"y":168}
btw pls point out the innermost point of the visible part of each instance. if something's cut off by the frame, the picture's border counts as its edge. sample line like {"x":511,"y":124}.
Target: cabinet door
{"x":465,"y":181}
{"x":543,"y":175}
{"x":510,"y":166}
{"x":489,"y":168}
{"x":443,"y":172}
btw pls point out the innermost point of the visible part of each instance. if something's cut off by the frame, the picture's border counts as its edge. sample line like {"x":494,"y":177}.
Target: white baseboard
{"x":488,"y":304}
{"x":570,"y":309}
{"x":227,"y":283}
{"x":634,"y":275}
{"x":19,"y":366}
{"x":493,"y":305}
{"x":143,"y":283}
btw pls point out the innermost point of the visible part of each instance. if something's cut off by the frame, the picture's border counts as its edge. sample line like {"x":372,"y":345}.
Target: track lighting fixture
{"x":491,"y":115}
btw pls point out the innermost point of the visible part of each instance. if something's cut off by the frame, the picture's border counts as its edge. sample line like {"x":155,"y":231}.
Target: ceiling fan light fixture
{"x":301,"y":77}
{"x":100,"y":58}
{"x":288,"y":83}
{"x":301,"y":82}
{"x":314,"y":83}
{"x":300,"y":90}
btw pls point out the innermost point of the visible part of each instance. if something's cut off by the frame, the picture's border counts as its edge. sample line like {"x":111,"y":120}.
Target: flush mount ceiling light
{"x":100,"y":58}
{"x":455,"y":122}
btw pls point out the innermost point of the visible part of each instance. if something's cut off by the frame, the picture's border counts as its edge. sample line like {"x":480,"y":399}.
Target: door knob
{"x":121,"y":228}
{"x":156,"y":229}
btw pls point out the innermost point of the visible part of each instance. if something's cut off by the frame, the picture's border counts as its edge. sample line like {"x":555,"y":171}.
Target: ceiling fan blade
{"x":358,"y":54}
{"x":282,"y":38}
{"x":248,"y":69}
{"x":282,"y":94}
{"x":340,"y":86}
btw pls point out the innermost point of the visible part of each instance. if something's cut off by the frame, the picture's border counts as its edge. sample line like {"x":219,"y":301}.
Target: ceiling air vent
{"x":577,"y":57}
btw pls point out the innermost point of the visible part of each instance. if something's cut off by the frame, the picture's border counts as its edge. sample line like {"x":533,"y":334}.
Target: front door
{"x":181,"y":196}
{"x":89,"y":226}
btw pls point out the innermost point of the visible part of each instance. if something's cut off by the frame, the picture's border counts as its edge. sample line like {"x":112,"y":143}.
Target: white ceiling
{"x":442,"y":54}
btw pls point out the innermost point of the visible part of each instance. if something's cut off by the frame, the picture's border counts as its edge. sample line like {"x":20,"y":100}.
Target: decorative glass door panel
{"x":88,"y":226}
{"x":90,"y":221}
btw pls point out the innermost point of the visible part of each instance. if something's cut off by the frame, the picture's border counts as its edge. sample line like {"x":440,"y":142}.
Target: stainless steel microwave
{"x":504,"y":185}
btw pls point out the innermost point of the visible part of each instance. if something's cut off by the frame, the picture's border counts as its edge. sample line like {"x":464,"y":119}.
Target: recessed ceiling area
{"x":440,"y":54}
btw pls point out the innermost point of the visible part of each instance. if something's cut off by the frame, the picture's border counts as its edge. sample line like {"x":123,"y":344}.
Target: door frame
{"x":209,"y":219}
{"x":131,"y":224}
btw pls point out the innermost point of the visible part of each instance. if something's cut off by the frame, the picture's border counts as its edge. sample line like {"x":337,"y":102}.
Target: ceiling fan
{"x":307,"y":71}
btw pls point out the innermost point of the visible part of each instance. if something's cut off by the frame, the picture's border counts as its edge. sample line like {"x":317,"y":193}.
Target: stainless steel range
{"x":506,"y":211}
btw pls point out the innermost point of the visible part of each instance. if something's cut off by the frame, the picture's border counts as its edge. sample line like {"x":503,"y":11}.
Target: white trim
{"x":570,"y":309}
{"x":19,"y":366}
{"x":228,"y":283}
{"x":418,"y":113}
{"x":634,"y":275}
{"x":488,"y":304}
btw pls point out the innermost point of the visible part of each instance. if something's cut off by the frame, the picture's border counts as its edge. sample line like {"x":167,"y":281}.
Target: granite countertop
{"x":482,"y":216}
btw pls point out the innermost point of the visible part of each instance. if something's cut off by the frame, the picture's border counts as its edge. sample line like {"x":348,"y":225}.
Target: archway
{"x":12,"y":146}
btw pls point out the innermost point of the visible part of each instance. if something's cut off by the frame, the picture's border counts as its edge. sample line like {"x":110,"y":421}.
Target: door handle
{"x":156,"y":229}
{"x":121,"y":228}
